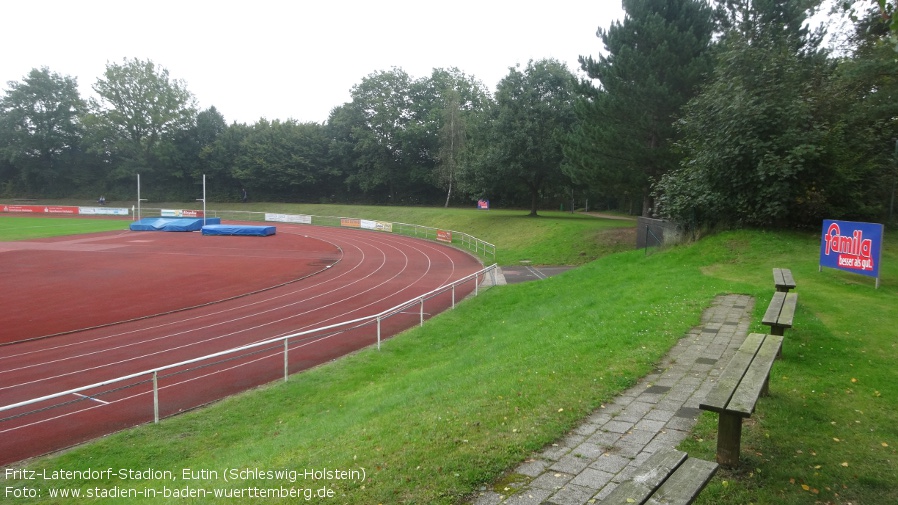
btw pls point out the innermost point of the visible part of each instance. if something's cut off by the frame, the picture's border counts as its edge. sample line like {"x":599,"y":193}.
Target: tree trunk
{"x":646,"y":205}
{"x":448,"y":193}
{"x":534,"y":201}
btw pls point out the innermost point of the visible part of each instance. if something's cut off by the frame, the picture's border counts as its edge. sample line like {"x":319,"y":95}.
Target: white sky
{"x":283,"y":59}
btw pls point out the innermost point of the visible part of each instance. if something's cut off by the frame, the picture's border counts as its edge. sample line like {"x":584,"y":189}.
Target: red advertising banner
{"x":41,"y":209}
{"x":444,"y":236}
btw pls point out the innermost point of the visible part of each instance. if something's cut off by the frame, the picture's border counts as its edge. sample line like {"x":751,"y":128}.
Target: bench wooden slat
{"x":647,"y":478}
{"x":788,"y":312}
{"x":774,"y":309}
{"x":755,"y":379}
{"x":782,"y":279}
{"x":750,"y":367}
{"x":788,"y":280}
{"x":685,"y":484}
{"x":778,"y":277}
{"x":728,"y":381}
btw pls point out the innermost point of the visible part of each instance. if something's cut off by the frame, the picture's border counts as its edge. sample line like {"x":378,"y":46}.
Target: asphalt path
{"x":525,"y":273}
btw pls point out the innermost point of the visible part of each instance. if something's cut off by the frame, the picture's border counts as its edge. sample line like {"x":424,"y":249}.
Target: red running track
{"x":107,"y":305}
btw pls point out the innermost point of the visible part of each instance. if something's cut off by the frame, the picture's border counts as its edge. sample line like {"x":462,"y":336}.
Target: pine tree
{"x":656,"y":58}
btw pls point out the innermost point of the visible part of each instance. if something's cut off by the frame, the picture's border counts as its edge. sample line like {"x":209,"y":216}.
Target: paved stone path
{"x":659,"y":411}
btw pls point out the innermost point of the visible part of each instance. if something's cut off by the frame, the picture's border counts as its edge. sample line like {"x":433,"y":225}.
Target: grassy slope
{"x":829,"y":432}
{"x":443,"y":409}
{"x":553,"y":238}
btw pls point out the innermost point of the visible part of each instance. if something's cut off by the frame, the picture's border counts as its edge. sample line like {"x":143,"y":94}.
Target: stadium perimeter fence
{"x":147,"y":382}
{"x":463,"y":240}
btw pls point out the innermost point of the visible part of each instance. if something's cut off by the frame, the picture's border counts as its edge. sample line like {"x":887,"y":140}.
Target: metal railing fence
{"x":283,"y":342}
{"x":459,"y":239}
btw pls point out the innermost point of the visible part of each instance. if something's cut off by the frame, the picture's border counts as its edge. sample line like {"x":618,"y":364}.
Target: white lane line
{"x":92,"y":398}
{"x":537,"y":273}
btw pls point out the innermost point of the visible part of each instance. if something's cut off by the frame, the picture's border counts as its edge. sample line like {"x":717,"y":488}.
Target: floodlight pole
{"x":139,"y":199}
{"x":203,"y":199}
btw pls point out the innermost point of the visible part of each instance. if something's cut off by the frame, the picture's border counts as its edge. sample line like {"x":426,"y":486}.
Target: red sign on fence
{"x":444,"y":236}
{"x":40,"y":209}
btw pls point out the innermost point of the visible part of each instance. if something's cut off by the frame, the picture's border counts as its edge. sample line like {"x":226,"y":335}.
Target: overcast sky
{"x":283,"y":59}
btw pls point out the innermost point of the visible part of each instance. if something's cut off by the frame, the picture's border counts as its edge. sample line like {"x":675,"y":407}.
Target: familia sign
{"x":851,"y":246}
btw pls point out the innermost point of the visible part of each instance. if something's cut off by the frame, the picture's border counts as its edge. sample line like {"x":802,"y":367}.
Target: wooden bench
{"x":782,"y":279}
{"x":745,"y":379}
{"x":780,"y":312}
{"x":668,"y":476}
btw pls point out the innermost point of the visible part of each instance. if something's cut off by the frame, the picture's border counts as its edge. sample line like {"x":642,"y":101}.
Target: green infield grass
{"x":15,"y":227}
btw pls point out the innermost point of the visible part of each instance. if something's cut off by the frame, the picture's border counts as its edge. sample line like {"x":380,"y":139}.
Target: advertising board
{"x":288,"y":218}
{"x":852,"y":246}
{"x":181,"y":213}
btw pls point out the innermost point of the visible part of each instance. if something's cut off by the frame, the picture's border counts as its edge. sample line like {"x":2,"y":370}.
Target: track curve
{"x":345,"y":275}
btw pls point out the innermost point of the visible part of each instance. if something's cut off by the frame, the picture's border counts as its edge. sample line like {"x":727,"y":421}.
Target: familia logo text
{"x":855,"y":252}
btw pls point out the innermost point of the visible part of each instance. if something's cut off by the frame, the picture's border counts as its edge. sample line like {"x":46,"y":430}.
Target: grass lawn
{"x":13,"y":227}
{"x":445,"y":409}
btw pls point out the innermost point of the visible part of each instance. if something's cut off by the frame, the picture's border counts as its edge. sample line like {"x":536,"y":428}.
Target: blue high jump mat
{"x":243,"y":230}
{"x":172,"y":223}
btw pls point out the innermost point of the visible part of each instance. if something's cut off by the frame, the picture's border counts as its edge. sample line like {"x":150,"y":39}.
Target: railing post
{"x":378,"y":333}
{"x":156,"y":397}
{"x":422,"y":311}
{"x":453,"y":295}
{"x":286,"y":359}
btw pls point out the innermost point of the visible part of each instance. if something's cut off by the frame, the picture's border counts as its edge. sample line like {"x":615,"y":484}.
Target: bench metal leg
{"x":729,"y":438}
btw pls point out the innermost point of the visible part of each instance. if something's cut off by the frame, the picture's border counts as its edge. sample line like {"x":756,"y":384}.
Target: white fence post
{"x":156,"y":397}
{"x":286,"y":359}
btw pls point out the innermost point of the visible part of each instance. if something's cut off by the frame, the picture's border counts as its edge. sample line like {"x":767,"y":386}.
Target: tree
{"x":452,"y":143}
{"x":382,"y":154}
{"x":859,"y":169}
{"x":41,"y":130}
{"x":533,"y":112}
{"x":753,"y":139}
{"x":887,"y":10}
{"x":140,"y":106}
{"x":449,"y":101}
{"x":657,"y":57}
{"x":284,"y":159}
{"x":220,"y":158}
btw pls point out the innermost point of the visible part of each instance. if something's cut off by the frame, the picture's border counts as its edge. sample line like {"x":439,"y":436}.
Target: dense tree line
{"x":729,"y":111}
